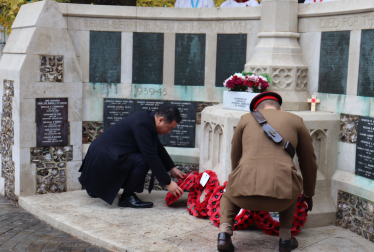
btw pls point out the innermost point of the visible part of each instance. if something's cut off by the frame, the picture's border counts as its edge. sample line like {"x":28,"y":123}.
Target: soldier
{"x":263,"y":174}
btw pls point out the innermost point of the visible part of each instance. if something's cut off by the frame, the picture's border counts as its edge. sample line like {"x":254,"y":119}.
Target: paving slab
{"x":163,"y":228}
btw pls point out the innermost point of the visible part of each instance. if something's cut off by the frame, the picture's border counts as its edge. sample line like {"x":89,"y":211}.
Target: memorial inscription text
{"x":365,"y":148}
{"x":333,"y":68}
{"x":52,"y":126}
{"x":366,"y":74}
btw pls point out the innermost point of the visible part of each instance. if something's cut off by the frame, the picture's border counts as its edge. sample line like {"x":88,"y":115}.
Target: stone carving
{"x":302,"y":78}
{"x":91,"y":131}
{"x":51,"y":167}
{"x":207,"y":141}
{"x":348,"y":128}
{"x":217,"y":145}
{"x":258,"y":70}
{"x":51,"y":68}
{"x":282,"y":78}
{"x":7,"y":141}
{"x":356,"y":214}
{"x":319,"y":144}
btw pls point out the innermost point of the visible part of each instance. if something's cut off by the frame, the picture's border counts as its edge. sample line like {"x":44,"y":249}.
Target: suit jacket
{"x":109,"y":157}
{"x":262,"y":167}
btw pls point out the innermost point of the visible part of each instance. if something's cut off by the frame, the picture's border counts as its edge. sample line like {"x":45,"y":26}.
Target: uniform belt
{"x":272,"y":133}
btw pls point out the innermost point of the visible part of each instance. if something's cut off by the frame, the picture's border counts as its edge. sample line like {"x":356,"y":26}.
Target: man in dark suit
{"x":123,"y":154}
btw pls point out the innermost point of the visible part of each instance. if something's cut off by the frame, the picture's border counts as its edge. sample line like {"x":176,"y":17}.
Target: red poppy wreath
{"x":242,"y":220}
{"x":262,"y":219}
{"x":194,"y":206}
{"x":185,"y":183}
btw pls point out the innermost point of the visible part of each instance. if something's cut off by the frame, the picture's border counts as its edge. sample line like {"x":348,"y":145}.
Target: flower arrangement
{"x":248,"y":82}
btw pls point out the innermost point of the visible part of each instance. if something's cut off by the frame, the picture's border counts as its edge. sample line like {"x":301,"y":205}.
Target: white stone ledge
{"x":335,"y":8}
{"x":278,"y":35}
{"x":156,"y":13}
{"x":351,"y":183}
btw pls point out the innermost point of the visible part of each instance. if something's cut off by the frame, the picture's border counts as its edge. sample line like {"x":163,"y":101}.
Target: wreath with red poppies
{"x":194,"y":206}
{"x":185,"y":183}
{"x":263,"y":219}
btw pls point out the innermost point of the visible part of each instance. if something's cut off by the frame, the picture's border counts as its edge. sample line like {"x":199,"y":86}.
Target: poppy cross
{"x":313,"y":102}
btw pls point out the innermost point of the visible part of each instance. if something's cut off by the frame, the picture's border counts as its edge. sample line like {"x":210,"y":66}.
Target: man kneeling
{"x":264,"y":177}
{"x":123,"y":154}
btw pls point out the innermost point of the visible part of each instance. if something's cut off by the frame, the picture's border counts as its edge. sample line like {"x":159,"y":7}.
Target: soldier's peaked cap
{"x":264,"y":96}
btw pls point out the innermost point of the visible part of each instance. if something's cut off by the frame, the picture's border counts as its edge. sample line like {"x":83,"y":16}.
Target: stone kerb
{"x":40,"y":60}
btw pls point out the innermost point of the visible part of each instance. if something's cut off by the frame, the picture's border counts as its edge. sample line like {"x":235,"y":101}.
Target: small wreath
{"x":262,"y":219}
{"x":194,"y":206}
{"x":242,"y":220}
{"x":185,"y":183}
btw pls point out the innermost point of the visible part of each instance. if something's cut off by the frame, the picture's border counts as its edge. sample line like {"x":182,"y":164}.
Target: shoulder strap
{"x":272,"y":133}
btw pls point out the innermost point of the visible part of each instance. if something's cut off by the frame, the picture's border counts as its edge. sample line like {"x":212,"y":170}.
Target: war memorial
{"x":70,"y":71}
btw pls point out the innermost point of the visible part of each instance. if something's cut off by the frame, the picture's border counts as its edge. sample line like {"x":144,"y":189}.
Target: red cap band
{"x":265,"y":98}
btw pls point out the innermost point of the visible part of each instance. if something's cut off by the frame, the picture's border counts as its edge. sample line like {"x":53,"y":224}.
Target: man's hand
{"x":177,"y":173}
{"x":174,"y":189}
{"x":309,"y":202}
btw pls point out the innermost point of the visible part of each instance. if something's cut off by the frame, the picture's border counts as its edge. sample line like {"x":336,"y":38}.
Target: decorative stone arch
{"x":207,"y":142}
{"x":319,"y":139}
{"x":217,"y":145}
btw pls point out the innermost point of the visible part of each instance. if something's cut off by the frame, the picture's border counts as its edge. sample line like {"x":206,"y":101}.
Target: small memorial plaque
{"x":333,"y":68}
{"x":366,"y":74}
{"x":184,"y":134}
{"x":189,"y":59}
{"x":52,"y":126}
{"x":231,"y":56}
{"x":365,"y":147}
{"x":116,"y":109}
{"x":148,"y":58}
{"x":105,"y":57}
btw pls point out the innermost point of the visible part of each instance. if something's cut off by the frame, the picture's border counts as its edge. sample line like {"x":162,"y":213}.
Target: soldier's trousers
{"x":230,"y":207}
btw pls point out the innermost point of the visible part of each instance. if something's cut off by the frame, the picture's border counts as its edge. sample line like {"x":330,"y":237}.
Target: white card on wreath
{"x":204,"y":179}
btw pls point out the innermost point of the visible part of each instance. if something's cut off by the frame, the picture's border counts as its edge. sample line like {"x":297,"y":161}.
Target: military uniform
{"x":263,"y":175}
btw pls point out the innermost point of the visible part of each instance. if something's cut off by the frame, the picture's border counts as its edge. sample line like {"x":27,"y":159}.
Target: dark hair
{"x":169,"y":113}
{"x":269,"y":102}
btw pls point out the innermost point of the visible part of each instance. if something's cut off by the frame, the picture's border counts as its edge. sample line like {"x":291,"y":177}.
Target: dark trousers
{"x":136,"y":178}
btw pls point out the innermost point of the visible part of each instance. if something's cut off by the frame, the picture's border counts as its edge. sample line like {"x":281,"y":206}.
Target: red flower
{"x":185,"y":183}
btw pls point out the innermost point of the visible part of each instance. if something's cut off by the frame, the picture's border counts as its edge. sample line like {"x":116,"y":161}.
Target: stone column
{"x":278,"y":53}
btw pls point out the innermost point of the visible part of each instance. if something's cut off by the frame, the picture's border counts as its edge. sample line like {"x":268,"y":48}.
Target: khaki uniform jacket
{"x":262,"y":167}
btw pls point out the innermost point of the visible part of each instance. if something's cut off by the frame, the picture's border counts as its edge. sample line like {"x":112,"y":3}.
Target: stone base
{"x":295,"y":101}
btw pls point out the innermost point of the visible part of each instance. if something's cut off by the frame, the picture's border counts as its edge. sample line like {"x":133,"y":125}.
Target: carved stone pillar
{"x":278,"y":53}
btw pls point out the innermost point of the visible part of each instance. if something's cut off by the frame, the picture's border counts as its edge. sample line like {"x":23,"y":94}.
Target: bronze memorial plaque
{"x":148,"y":58}
{"x":366,"y":74}
{"x":333,"y":66}
{"x":189,"y":59}
{"x":52,"y":127}
{"x":105,"y":57}
{"x":231,"y":56}
{"x":365,"y":147}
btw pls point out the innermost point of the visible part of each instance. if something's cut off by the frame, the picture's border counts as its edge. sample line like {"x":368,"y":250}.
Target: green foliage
{"x":166,"y":3}
{"x":10,"y":9}
{"x":244,"y":73}
{"x":267,"y":76}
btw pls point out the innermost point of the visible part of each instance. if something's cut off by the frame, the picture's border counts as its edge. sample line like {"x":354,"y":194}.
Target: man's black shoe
{"x":91,"y":194}
{"x":287,"y":245}
{"x":133,"y":201}
{"x":224,"y":243}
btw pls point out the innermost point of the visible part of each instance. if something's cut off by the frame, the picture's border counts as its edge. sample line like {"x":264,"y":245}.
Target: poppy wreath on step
{"x":271,"y":227}
{"x":242,"y":220}
{"x":185,"y":183}
{"x":194,"y":206}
